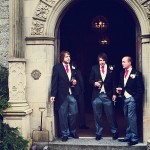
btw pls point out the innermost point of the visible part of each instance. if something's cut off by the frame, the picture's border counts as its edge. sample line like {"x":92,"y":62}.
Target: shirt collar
{"x":130,"y":68}
{"x":65,"y":64}
{"x":104,"y":66}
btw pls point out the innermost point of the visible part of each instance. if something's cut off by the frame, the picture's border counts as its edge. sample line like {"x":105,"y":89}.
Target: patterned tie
{"x":67,"y":69}
{"x":102,"y":67}
{"x":126,"y":73}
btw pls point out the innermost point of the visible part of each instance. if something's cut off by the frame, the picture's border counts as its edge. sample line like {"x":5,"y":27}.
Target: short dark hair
{"x":129,"y":59}
{"x":103,"y":56}
{"x":62,"y":55}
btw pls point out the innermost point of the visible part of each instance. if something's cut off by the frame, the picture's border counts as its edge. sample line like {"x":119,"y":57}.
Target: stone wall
{"x":4,"y":32}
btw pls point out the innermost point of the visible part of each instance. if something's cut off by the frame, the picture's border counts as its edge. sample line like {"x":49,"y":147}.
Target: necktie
{"x":102,"y":69}
{"x":126,"y":73}
{"x":67,"y":69}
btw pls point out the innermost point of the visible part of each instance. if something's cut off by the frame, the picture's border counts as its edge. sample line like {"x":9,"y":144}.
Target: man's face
{"x":67,"y":59}
{"x":102,"y":62}
{"x":126,"y":63}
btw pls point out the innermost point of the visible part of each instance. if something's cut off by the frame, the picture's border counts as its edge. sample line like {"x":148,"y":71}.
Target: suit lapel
{"x":122,"y":77}
{"x":64,"y":72}
{"x":107,"y":72}
{"x":99,"y":73}
{"x":129,"y":79}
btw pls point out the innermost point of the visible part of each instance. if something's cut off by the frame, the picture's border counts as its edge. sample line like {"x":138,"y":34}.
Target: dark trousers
{"x":103,"y":101}
{"x":131,"y":119}
{"x":68,"y":116}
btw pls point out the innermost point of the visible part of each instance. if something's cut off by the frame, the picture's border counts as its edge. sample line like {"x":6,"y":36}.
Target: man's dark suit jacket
{"x":60,"y":84}
{"x":80,"y":84}
{"x":109,"y":82}
{"x":134,"y":85}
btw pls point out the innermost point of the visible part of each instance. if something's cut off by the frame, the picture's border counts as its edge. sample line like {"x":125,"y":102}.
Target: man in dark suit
{"x":102,"y":78}
{"x":132,"y":89}
{"x":62,"y":89}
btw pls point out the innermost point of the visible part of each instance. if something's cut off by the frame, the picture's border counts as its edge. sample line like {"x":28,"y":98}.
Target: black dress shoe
{"x":115,"y":136}
{"x":132,"y":143}
{"x":98,"y":137}
{"x":124,"y":140}
{"x":64,"y":138}
{"x":83,"y":127}
{"x":74,"y":135}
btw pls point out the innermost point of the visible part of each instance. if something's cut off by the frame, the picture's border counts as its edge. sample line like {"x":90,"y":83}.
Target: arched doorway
{"x":44,"y":37}
{"x":42,"y":21}
{"x":77,"y":36}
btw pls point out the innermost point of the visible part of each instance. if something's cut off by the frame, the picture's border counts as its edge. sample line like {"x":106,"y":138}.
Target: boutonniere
{"x":73,"y":67}
{"x":111,"y":68}
{"x":133,"y":75}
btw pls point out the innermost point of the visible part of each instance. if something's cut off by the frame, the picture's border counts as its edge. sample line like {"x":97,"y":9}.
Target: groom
{"x":63,"y":94}
{"x":132,"y":86}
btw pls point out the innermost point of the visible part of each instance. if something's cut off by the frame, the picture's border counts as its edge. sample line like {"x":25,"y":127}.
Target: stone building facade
{"x":33,"y":50}
{"x":4,"y":32}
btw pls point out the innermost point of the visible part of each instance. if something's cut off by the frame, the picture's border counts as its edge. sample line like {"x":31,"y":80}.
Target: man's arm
{"x":54,"y":84}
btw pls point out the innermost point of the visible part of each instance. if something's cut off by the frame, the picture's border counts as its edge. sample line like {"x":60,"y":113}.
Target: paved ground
{"x":91,"y":141}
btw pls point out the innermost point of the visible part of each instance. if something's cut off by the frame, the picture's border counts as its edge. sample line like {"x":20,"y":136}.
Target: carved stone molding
{"x":146,"y":5}
{"x":42,"y":12}
{"x":39,"y":40}
{"x":46,"y":6}
{"x":36,"y":74}
{"x":17,"y":81}
{"x":38,"y":27}
{"x":40,"y":16}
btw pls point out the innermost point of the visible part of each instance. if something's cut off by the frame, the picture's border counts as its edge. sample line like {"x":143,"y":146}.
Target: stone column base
{"x":18,"y":118}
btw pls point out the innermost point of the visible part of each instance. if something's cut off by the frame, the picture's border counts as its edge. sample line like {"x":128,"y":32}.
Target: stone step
{"x":88,"y":144}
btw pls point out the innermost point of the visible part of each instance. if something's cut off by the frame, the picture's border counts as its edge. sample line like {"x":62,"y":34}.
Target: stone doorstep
{"x":89,"y":144}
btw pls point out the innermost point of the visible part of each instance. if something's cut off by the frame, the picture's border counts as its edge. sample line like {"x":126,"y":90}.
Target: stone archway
{"x":39,"y":50}
{"x":53,"y":18}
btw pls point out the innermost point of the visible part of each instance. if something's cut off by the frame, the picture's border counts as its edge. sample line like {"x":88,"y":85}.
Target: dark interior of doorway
{"x":77,"y":36}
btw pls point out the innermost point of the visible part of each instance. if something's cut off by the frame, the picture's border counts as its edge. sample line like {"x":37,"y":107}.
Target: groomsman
{"x":132,"y":89}
{"x":102,"y":78}
{"x":63,"y":86}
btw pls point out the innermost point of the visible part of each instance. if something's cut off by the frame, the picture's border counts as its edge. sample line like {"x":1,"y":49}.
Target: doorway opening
{"x":78,"y":37}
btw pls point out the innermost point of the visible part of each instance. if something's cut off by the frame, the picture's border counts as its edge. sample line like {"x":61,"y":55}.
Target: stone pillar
{"x":39,"y":54}
{"x":146,"y":72}
{"x":18,"y":115}
{"x":15,"y":39}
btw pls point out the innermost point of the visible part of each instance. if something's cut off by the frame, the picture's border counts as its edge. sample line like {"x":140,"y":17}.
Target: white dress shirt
{"x":103,"y":76}
{"x":126,"y":94}
{"x":68,"y":74}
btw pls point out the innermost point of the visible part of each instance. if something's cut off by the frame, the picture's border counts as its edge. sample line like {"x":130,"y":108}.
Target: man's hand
{"x":52,"y":99}
{"x":74,"y":82}
{"x":97,"y":84}
{"x":114,"y":98}
{"x":118,"y":90}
